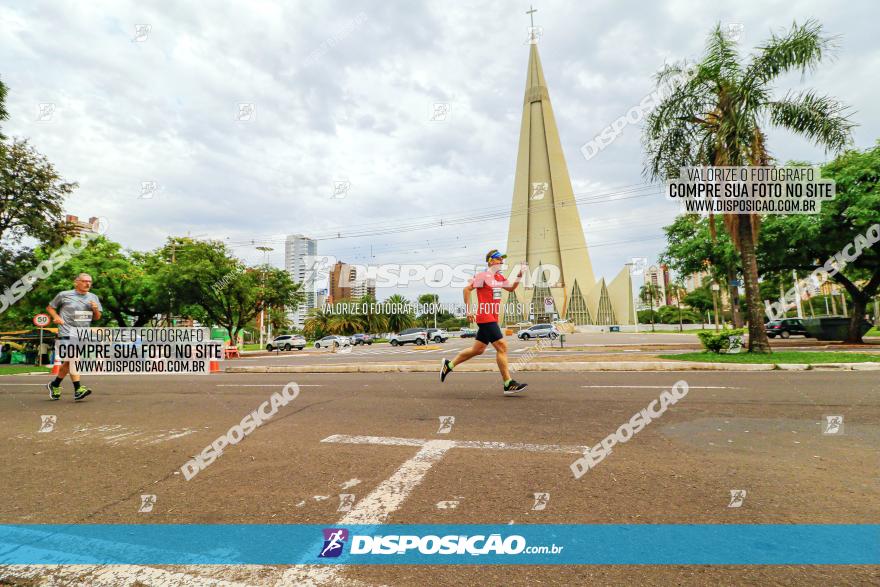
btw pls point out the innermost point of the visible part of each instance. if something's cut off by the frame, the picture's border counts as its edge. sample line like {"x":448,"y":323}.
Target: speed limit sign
{"x":41,"y":320}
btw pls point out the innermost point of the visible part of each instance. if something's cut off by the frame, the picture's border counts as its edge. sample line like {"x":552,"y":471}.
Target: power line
{"x":628,"y":192}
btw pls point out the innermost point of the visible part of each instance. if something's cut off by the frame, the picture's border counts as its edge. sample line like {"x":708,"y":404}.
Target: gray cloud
{"x":344,"y":90}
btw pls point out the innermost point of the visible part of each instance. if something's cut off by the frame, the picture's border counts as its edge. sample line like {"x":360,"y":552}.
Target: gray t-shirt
{"x":75,"y":309}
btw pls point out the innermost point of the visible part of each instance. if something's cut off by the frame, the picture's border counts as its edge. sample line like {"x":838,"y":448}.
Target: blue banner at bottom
{"x":529,"y":544}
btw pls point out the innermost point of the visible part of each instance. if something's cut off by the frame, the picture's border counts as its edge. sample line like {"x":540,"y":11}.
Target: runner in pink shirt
{"x":488,"y":284}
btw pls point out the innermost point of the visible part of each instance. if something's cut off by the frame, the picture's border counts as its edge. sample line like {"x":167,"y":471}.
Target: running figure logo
{"x":147,"y":503}
{"x":346,"y":500}
{"x":737,"y":497}
{"x":541,"y":500}
{"x":446,"y":423}
{"x":832,"y":425}
{"x":47,"y":423}
{"x":539,"y":190}
{"x":334,"y":540}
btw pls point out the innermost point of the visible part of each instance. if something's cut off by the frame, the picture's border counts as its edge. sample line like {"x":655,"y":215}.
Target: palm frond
{"x":822,"y":119}
{"x":802,"y":47}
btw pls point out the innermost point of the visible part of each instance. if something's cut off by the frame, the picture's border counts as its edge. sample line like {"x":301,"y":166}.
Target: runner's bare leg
{"x":478,"y":349}
{"x":501,"y":358}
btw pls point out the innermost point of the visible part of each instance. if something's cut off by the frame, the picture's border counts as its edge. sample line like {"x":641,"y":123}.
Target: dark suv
{"x":785,"y":328}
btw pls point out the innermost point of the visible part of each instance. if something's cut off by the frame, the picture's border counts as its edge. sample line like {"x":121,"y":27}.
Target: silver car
{"x":332,"y":341}
{"x":539,"y":331}
{"x":417,"y":336}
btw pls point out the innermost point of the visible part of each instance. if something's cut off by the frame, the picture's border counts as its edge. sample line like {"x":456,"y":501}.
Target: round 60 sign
{"x":41,"y":320}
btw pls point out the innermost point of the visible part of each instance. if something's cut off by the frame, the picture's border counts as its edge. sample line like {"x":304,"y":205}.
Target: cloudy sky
{"x":344,"y":92}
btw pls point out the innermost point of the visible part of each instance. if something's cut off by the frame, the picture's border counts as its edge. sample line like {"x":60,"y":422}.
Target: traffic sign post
{"x":41,"y":321}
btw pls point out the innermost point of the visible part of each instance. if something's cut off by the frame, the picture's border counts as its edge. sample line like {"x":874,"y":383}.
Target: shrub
{"x":719,"y":342}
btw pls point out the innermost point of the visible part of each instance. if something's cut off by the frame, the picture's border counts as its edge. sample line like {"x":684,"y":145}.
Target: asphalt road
{"x":753,"y":431}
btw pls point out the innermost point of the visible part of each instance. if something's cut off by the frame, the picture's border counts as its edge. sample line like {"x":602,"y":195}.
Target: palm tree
{"x":371,"y":321}
{"x":648,"y":293}
{"x":344,"y":323}
{"x":317,"y":325}
{"x":716,"y":117}
{"x":677,"y":291}
{"x":398,"y":320}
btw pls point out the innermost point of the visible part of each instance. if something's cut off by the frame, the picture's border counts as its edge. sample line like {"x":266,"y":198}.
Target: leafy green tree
{"x":210,"y":285}
{"x":805,"y":242}
{"x":32,"y":194}
{"x":116,"y":281}
{"x":717,"y":117}
{"x":645,"y":316}
{"x":676,"y":315}
{"x":700,"y":300}
{"x":3,"y":113}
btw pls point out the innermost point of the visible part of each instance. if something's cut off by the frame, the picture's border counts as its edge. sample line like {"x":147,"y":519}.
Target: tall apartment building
{"x":299,"y":260}
{"x":659,"y":276}
{"x":345,"y":283}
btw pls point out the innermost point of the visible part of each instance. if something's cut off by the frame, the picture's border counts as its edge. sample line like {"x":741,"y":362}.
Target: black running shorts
{"x":489,"y":332}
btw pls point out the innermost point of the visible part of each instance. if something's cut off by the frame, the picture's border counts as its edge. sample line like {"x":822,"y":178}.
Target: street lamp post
{"x":266,"y":251}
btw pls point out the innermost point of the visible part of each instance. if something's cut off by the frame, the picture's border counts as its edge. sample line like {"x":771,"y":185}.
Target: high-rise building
{"x":364,"y":287}
{"x":299,"y":261}
{"x":694,"y":280}
{"x":346,"y":284}
{"x":659,"y":275}
{"x":545,"y":228}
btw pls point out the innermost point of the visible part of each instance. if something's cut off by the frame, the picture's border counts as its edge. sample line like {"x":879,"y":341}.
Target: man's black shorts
{"x":489,"y":332}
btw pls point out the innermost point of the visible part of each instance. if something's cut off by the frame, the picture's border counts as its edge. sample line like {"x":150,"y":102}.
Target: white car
{"x":539,"y":331}
{"x":331,"y":341}
{"x":417,"y":336}
{"x":286,"y":342}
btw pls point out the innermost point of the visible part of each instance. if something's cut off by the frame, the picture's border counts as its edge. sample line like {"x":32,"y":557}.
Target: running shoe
{"x":445,"y":369}
{"x":54,"y":392}
{"x":513,"y":388}
{"x":82,"y":392}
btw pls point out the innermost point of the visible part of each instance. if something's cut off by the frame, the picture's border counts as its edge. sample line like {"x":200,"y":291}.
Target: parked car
{"x":785,"y":328}
{"x":331,"y":341}
{"x":538,"y":331}
{"x":437,"y":335}
{"x":418,"y":336}
{"x":467,"y":333}
{"x":357,"y":339}
{"x":285,"y":342}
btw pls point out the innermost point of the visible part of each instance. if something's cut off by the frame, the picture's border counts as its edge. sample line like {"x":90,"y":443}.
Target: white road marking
{"x":389,"y":495}
{"x":116,"y":575}
{"x":21,"y":384}
{"x":265,"y":385}
{"x":656,"y":387}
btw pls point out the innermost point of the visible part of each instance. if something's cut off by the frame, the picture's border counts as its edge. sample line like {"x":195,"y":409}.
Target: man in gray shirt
{"x":71,"y":309}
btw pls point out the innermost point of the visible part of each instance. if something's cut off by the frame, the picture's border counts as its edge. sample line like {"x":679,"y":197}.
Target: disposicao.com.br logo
{"x":452,"y":544}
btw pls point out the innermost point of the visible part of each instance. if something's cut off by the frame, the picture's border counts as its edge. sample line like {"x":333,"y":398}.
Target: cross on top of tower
{"x":531,"y":12}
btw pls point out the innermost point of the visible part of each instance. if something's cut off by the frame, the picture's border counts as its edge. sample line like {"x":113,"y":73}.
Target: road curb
{"x":571,"y":366}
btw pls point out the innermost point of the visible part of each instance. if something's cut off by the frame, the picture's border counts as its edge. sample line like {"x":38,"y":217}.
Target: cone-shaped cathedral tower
{"x":545,"y":228}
